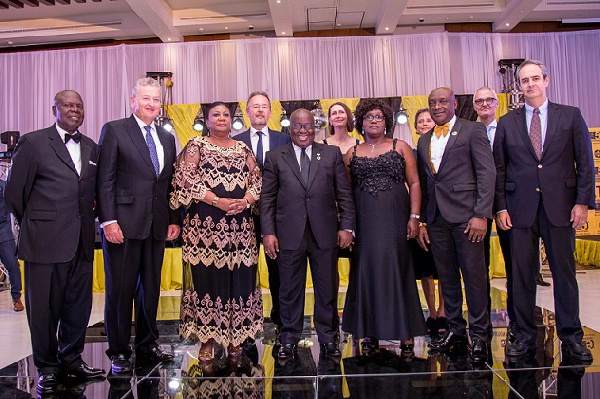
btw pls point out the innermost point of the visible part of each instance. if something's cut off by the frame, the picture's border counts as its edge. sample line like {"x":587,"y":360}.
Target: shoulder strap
{"x":394,"y":144}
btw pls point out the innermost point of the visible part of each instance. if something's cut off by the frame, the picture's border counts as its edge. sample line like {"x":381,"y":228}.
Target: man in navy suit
{"x":134,"y":176}
{"x":8,"y":252}
{"x":262,"y":139}
{"x":50,"y":190}
{"x":457,"y":176}
{"x":544,"y":188}
{"x":302,"y":184}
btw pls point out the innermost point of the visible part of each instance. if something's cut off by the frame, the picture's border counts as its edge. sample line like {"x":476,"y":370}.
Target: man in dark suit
{"x":457,"y":175}
{"x":261,"y":139}
{"x":302,"y":183}
{"x":50,"y":190}
{"x":544,"y":188}
{"x":8,"y":252}
{"x":134,"y":176}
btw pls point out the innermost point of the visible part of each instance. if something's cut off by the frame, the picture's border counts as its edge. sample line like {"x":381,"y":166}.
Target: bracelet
{"x":248,"y":204}
{"x":415,"y":216}
{"x":214,"y":201}
{"x":422,"y":224}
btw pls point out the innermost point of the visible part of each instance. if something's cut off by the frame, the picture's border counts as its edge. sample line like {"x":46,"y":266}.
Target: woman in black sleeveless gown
{"x":382,"y":301}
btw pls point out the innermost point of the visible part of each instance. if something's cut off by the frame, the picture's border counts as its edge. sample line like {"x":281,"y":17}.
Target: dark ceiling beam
{"x":14,"y":3}
{"x":47,"y":2}
{"x":3,"y":6}
{"x":79,"y":1}
{"x":32,"y":3}
{"x":65,"y":2}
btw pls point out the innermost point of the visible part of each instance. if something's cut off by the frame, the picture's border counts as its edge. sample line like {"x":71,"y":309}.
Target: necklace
{"x":372,"y":147}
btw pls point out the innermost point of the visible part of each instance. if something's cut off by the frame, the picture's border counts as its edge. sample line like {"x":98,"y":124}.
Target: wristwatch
{"x":247,"y":203}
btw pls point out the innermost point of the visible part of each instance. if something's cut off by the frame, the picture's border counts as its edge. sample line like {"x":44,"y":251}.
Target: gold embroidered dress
{"x":220,"y":297}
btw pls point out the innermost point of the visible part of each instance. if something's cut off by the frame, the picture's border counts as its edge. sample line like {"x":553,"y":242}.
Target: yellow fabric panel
{"x":412,"y":104}
{"x":182,"y":116}
{"x":274,"y":122}
{"x":502,"y":105}
{"x":587,"y":252}
{"x":350,"y":102}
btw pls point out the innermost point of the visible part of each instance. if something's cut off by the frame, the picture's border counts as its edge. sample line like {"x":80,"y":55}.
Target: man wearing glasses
{"x":302,"y":183}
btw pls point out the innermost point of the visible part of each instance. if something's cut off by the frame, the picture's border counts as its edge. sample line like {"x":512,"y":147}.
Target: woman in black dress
{"x":382,"y":300}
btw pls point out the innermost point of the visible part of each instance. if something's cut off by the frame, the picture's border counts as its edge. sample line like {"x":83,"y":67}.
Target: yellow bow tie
{"x":441,"y":130}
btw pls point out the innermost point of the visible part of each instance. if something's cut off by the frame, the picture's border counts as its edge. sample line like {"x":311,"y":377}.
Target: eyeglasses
{"x":78,"y":107}
{"x":489,"y":100}
{"x":370,"y":118}
{"x":306,"y":126}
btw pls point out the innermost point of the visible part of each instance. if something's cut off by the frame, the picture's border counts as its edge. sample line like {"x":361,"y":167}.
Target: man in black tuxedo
{"x":134,"y":176}
{"x":302,"y":183}
{"x":8,"y":252}
{"x":261,"y":139}
{"x":544,"y":188}
{"x":457,"y":175}
{"x":50,"y":190}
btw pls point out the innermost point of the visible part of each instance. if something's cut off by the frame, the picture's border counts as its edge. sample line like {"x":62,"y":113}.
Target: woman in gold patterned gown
{"x":217,"y":179}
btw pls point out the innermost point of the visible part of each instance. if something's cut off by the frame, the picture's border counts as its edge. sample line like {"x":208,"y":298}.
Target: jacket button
{"x":539,"y":190}
{"x":540,"y":166}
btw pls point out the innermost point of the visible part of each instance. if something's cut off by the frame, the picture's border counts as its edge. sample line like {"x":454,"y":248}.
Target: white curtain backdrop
{"x":292,"y":69}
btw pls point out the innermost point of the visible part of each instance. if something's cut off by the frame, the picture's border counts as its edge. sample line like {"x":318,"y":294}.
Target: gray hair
{"x":482,"y":88}
{"x":533,"y":62}
{"x":144,"y":82}
{"x":258,"y":93}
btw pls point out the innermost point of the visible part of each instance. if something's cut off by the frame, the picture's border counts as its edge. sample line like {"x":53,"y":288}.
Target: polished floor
{"x":382,"y":374}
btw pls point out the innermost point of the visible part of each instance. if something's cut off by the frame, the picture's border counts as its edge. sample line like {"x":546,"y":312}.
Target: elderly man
{"x":457,"y":176}
{"x":134,"y":176}
{"x":261,"y":139}
{"x":544,"y":188}
{"x":51,"y":190}
{"x":305,"y":185}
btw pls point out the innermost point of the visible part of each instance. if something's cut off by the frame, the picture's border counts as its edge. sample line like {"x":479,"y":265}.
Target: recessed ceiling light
{"x":447,"y":18}
{"x":470,"y":17}
{"x":201,"y":29}
{"x":168,"y":38}
{"x":226,"y":27}
{"x":386,"y":28}
{"x":278,"y":1}
{"x":10,"y":43}
{"x":283,"y":33}
{"x":507,"y":24}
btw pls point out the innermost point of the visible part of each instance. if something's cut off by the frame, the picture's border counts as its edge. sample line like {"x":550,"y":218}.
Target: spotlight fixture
{"x":401,"y":116}
{"x":238,"y":122}
{"x":319,"y":115}
{"x":198,"y":124}
{"x":285,"y":121}
{"x":167,"y":124}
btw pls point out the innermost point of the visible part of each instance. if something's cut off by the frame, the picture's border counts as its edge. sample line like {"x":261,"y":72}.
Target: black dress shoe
{"x":479,"y":351}
{"x":540,"y":281}
{"x":449,"y":342}
{"x":330,"y":349}
{"x":154,"y":355}
{"x":578,"y":352}
{"x":517,"y":349}
{"x":85,"y":372}
{"x":47,"y":383}
{"x":512,"y":332}
{"x":120,"y":364}
{"x":287,"y":351}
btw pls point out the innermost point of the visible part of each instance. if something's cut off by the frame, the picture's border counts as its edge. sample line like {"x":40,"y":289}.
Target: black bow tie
{"x":75,"y":137}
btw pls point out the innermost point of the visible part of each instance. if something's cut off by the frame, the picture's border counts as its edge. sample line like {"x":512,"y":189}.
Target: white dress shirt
{"x":265,"y":140}
{"x":438,"y":145}
{"x":73,"y":148}
{"x":491,"y":132}
{"x":160,"y":151}
{"x":298,"y":151}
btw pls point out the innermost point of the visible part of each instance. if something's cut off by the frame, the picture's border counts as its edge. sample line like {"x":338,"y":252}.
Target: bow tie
{"x":441,"y":130}
{"x":75,"y":137}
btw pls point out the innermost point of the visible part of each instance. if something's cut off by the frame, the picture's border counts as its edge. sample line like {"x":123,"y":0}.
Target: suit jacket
{"x":287,"y":204}
{"x":52,"y":203}
{"x":463,"y":186}
{"x":563,"y":177}
{"x":6,"y":233}
{"x":276,"y":139}
{"x":128,"y":189}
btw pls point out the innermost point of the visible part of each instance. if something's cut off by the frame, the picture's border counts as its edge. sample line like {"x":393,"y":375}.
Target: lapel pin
{"x":318,"y":156}
{"x":454,"y":133}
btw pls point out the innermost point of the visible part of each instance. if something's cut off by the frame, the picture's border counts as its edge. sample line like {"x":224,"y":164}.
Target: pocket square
{"x":93,"y":163}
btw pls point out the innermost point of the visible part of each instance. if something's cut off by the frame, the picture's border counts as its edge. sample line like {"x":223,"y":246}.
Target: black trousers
{"x":273,"y":269}
{"x":455,"y":254}
{"x":504,"y":239}
{"x":560,"y":245}
{"x":59,"y":301}
{"x":292,"y":273}
{"x":132,"y":271}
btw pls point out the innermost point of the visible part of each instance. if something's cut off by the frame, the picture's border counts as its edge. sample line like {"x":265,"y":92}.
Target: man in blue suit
{"x":262,"y":139}
{"x":8,"y":252}
{"x":544,"y":188}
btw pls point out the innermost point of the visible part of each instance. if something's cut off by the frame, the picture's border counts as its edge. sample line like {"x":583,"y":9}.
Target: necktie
{"x":152,"y":147}
{"x":535,"y":133}
{"x":75,"y":137}
{"x":304,"y":165}
{"x":490,"y":130}
{"x":259,"y":149}
{"x":441,"y":130}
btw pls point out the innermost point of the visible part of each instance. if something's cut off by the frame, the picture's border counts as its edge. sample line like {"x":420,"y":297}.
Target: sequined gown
{"x":220,"y":298}
{"x":382,"y":299}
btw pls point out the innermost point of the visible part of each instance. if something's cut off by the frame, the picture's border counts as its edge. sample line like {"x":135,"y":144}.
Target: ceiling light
{"x":167,"y":125}
{"x":386,"y":28}
{"x":401,"y":116}
{"x":285,"y":121}
{"x":283,"y":33}
{"x":198,"y":124}
{"x":278,"y":1}
{"x":507,"y":24}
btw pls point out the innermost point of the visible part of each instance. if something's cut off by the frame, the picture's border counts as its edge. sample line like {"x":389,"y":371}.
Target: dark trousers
{"x":273,"y":269}
{"x":8,"y":256}
{"x":560,"y":245}
{"x":59,"y":299}
{"x":455,"y":254}
{"x":292,"y":273}
{"x":132,"y":272}
{"x":503,"y":238}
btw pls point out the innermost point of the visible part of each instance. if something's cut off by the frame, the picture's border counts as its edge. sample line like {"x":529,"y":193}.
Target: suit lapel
{"x":164,"y":140}
{"x":315,"y":162}
{"x":133,"y":129}
{"x":289,"y":155}
{"x":58,"y":145}
{"x":451,"y":140}
{"x":521,"y":121}
{"x":86,"y":156}
{"x":552,"y":123}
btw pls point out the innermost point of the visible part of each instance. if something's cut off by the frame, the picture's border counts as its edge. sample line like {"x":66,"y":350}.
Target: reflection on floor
{"x":384,"y":373}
